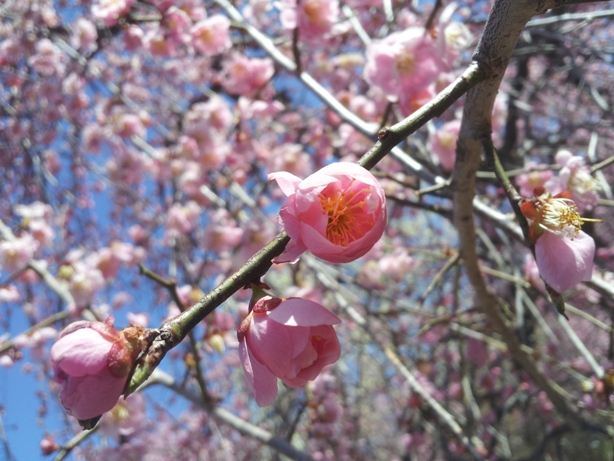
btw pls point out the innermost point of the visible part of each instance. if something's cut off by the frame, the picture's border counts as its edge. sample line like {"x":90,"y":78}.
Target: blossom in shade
{"x":563,"y":252}
{"x":291,"y":339}
{"x":91,"y":362}
{"x":575,"y":177}
{"x":527,"y":182}
{"x":442,"y":143}
{"x":337,"y":213}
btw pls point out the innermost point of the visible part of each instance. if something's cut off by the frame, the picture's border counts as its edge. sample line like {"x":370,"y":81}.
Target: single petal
{"x":287,"y":182}
{"x":562,"y":262}
{"x":259,"y":378}
{"x":302,"y":312}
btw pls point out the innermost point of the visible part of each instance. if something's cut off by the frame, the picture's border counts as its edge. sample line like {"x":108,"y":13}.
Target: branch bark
{"x":505,"y":23}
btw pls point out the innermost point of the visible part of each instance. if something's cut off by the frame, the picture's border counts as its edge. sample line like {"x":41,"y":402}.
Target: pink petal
{"x":302,"y":312}
{"x":81,"y":352}
{"x":90,"y":396}
{"x":562,"y":262}
{"x":287,"y":182}
{"x":274,"y":344}
{"x":260,"y":379}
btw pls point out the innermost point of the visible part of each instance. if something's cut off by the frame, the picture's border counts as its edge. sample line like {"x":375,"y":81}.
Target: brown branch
{"x":505,"y":23}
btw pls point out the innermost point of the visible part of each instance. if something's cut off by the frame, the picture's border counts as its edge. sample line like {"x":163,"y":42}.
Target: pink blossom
{"x":15,"y":255}
{"x":563,"y":253}
{"x":452,"y":36}
{"x":49,"y":59}
{"x":244,"y":76}
{"x":291,"y":158}
{"x":109,"y":11}
{"x":84,"y":35}
{"x":211,"y":36}
{"x":181,"y":219}
{"x":85,"y":283}
{"x":314,"y":18}
{"x":92,"y":361}
{"x":403,"y":63}
{"x":575,"y":177}
{"x":222,"y":233}
{"x":9,"y":294}
{"x":527,"y":182}
{"x":563,"y":262}
{"x":290,"y":339}
{"x":442,"y":143}
{"x":337,"y":213}
{"x":178,"y":23}
{"x":48,"y":445}
{"x":127,"y":418}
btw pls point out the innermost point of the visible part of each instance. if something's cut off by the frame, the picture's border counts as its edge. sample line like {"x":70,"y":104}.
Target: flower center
{"x":405,"y":64}
{"x":581,"y":182}
{"x":558,"y":215}
{"x":347,"y":210}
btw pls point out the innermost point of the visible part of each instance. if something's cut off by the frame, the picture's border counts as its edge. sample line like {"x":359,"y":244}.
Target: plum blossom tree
{"x":402,"y":210}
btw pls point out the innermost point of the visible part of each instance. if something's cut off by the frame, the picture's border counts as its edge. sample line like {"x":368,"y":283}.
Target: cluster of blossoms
{"x":338,"y":213}
{"x":408,"y":65}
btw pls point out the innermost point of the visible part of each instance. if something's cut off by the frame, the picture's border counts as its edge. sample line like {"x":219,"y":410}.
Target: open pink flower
{"x":338,"y":213}
{"x":92,"y":361}
{"x":291,"y":339}
{"x":563,"y":253}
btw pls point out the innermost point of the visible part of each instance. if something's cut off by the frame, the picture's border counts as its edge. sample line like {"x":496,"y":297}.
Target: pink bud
{"x":291,"y":340}
{"x":92,"y":362}
{"x":338,"y":213}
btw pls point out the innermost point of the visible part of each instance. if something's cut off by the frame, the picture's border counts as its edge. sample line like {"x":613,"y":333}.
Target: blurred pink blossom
{"x":404,"y":62}
{"x":84,"y":35}
{"x":527,"y":182}
{"x":91,"y":361}
{"x":222,"y":233}
{"x":314,"y":18}
{"x":337,"y":213}
{"x":244,"y":76}
{"x":109,"y":11}
{"x":48,"y":59}
{"x":15,"y":255}
{"x":85,"y":282}
{"x":290,"y":339}
{"x":442,"y":144}
{"x":48,"y":445}
{"x":575,"y":177}
{"x":211,"y":35}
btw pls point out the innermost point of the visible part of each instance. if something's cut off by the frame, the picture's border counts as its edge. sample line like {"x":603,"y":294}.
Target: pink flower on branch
{"x":92,"y":362}
{"x":563,"y":253}
{"x":291,"y":339}
{"x":338,"y":213}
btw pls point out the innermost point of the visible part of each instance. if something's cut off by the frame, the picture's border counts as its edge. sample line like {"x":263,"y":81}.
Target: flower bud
{"x":92,"y":362}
